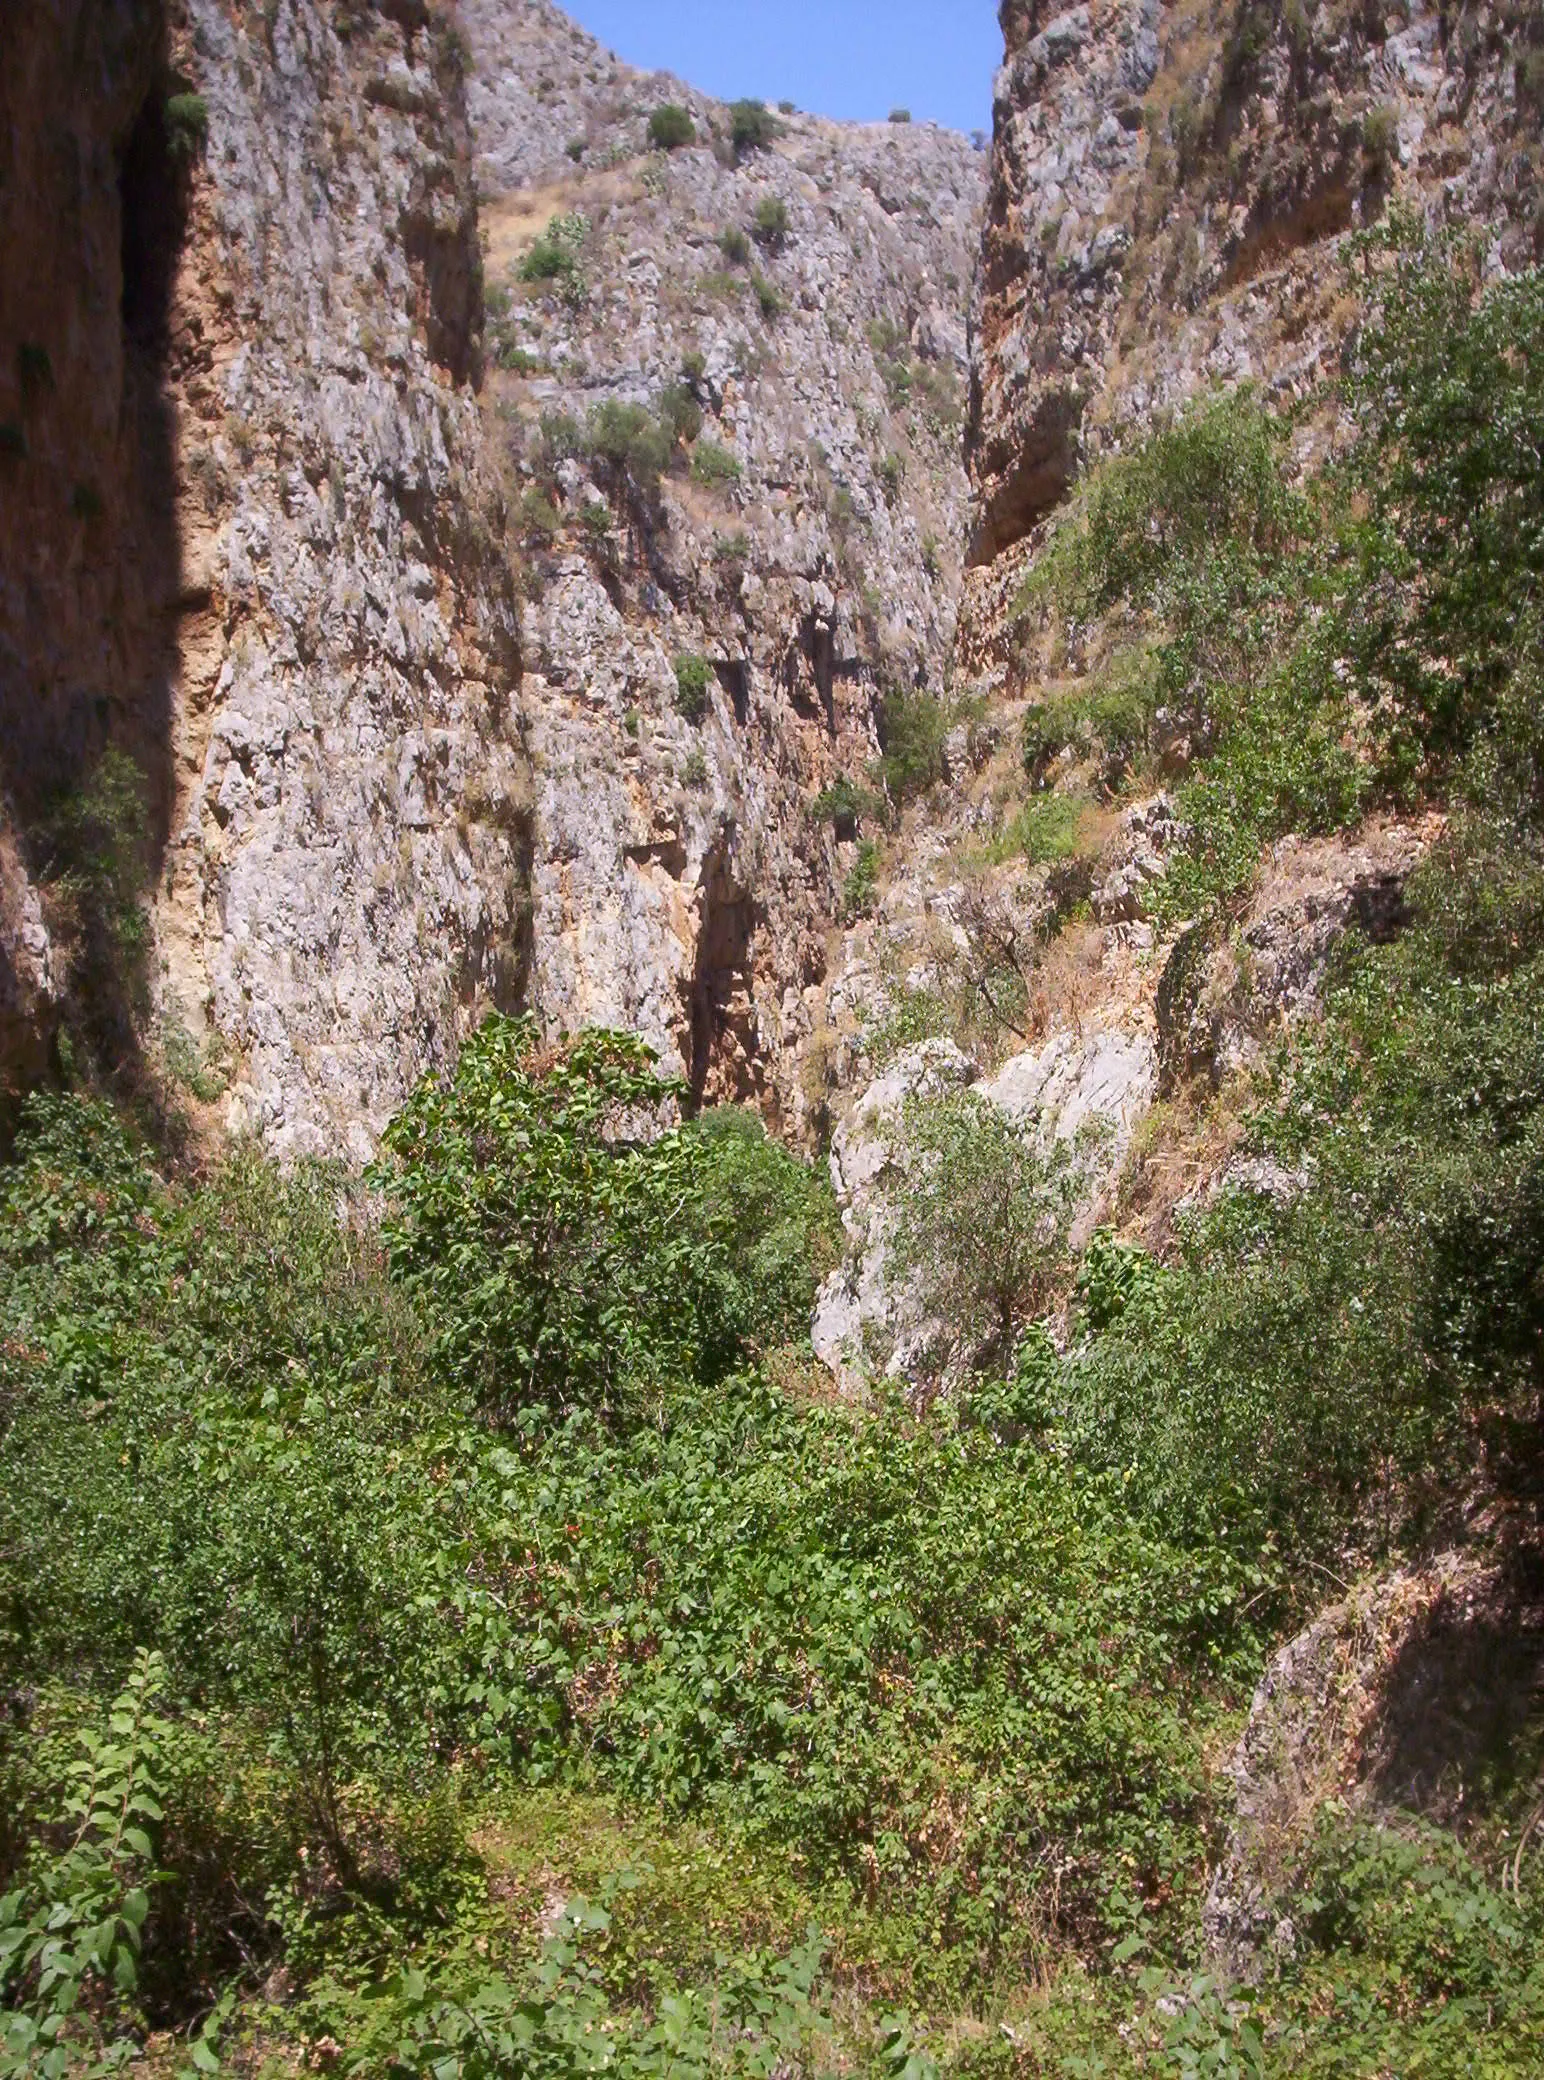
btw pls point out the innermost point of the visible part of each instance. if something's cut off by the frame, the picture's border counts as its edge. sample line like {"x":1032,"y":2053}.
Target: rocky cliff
{"x":794,"y":303}
{"x":254,"y":545}
{"x":273,"y":521}
{"x":1170,"y":186}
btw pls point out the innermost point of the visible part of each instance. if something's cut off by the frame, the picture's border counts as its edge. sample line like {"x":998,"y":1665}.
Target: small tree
{"x":981,"y":1235}
{"x":536,"y":1210}
{"x":671,"y":127}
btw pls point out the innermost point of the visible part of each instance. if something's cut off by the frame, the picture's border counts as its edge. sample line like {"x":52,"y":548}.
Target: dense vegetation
{"x":447,"y":1629}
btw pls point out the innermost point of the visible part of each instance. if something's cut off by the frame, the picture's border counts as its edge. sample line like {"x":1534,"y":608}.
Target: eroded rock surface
{"x":1169,"y":190}
{"x":810,"y":554}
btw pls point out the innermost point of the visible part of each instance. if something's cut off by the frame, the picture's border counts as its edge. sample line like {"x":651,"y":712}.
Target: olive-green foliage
{"x":777,"y":1221}
{"x":92,"y":846}
{"x":671,"y":127}
{"x":860,"y":888}
{"x":981,"y":1234}
{"x":912,"y":728}
{"x":714,"y":465}
{"x":772,"y":222}
{"x":273,"y":1435}
{"x":735,"y":246}
{"x":769,"y":297}
{"x":186,"y":118}
{"x":752,"y":126}
{"x":1045,"y":829}
{"x":632,"y":442}
{"x":694,"y":675}
{"x":1380,"y":601}
{"x":1447,"y":386}
{"x":1111,"y":724}
{"x":555,"y":256}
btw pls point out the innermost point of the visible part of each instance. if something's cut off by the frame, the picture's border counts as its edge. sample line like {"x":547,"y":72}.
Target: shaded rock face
{"x":93,"y":208}
{"x":680,"y":885}
{"x":1392,"y":1701}
{"x":282,"y":595}
{"x":1168,"y":188}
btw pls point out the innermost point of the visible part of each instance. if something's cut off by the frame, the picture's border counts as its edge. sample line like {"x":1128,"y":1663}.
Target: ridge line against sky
{"x":853,"y":59}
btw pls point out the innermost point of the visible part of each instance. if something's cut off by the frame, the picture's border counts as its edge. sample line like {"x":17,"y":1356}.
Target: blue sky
{"x":854,"y":58}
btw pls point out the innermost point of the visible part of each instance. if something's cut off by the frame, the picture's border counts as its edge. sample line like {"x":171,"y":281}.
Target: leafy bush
{"x":555,"y":257}
{"x":186,"y":118}
{"x":714,"y":465}
{"x":1044,"y":830}
{"x":671,"y":127}
{"x":912,"y":729}
{"x":752,"y":127}
{"x":982,"y":1231}
{"x":531,"y":1209}
{"x":772,"y":222}
{"x":735,"y":246}
{"x":540,"y":519}
{"x":860,"y":889}
{"x":70,"y":1940}
{"x":634,"y":445}
{"x":1380,"y":136}
{"x":769,"y":298}
{"x":694,"y":675}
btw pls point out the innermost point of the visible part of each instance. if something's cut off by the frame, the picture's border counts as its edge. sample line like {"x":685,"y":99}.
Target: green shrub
{"x":1380,"y":136}
{"x":892,"y":477}
{"x":632,"y":443}
{"x":555,"y":256}
{"x":541,"y":1236}
{"x":671,"y":127}
{"x":735,"y":246}
{"x":768,"y":297}
{"x":186,"y":119}
{"x":772,"y":222}
{"x":981,"y":1236}
{"x":860,"y":889}
{"x":714,"y":465}
{"x":912,"y":729}
{"x":752,"y":127}
{"x":1044,"y":830}
{"x":694,"y":675}
{"x":576,"y":149}
{"x":843,"y":802}
{"x":540,"y":520}
{"x":900,"y":115}
{"x":679,"y":414}
{"x":1112,"y":721}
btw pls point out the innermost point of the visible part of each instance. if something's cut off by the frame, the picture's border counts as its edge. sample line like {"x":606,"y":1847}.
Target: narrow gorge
{"x":771,"y":1050}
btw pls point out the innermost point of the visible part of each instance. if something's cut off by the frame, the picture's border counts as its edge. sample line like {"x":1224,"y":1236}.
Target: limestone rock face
{"x":1222,"y":996}
{"x":274,"y":582}
{"x":1082,"y":1095}
{"x":1169,"y":188}
{"x":345,"y":879}
{"x":809,"y":298}
{"x":1385,"y":1702}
